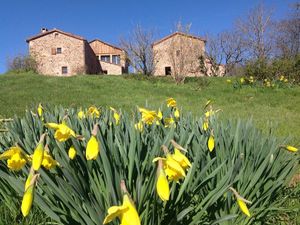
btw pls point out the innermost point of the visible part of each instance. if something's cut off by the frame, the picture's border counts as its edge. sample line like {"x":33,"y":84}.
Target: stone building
{"x":112,"y":59}
{"x":180,"y":53}
{"x":60,"y":53}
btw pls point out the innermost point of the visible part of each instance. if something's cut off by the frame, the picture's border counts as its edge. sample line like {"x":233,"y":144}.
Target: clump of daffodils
{"x":170,"y":168}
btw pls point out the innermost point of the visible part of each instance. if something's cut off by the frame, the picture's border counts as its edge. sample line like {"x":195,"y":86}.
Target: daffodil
{"x":242,"y":80}
{"x":169,"y":122}
{"x":28,"y":196}
{"x":291,"y":148}
{"x":126,"y":212}
{"x":29,"y":178}
{"x":40,"y":110}
{"x":72,"y":152}
{"x":92,"y":147}
{"x":159,"y":114}
{"x":139,"y":126}
{"x":181,"y":159}
{"x":205,"y":125}
{"x":148,"y":117}
{"x":48,"y":161}
{"x":162,"y":184}
{"x":281,"y":78}
{"x":171,"y":102}
{"x":94,"y":112}
{"x":116,"y":115}
{"x":285,"y":80}
{"x":62,"y":131}
{"x":177,"y":113}
{"x":228,"y":81}
{"x":211,"y":112}
{"x":81,"y":114}
{"x":211,"y":143}
{"x":241,"y":202}
{"x":15,"y":157}
{"x":38,"y":154}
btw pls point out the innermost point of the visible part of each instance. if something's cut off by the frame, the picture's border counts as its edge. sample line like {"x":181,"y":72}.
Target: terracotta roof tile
{"x":54,"y":30}
{"x":178,"y":33}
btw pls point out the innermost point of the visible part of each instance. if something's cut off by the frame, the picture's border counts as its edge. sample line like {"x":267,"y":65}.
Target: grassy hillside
{"x":279,"y":108}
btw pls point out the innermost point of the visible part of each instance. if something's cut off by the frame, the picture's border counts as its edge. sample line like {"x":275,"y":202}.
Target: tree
{"x":288,"y":34}
{"x":255,"y":31}
{"x":138,"y":47}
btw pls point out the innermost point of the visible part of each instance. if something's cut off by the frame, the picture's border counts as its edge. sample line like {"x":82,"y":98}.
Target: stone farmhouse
{"x":60,"y":53}
{"x":179,"y":53}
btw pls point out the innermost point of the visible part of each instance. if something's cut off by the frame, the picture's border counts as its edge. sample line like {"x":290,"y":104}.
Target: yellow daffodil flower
{"x":148,"y":117}
{"x":159,"y":114}
{"x":62,"y":131}
{"x":72,"y":152}
{"x":171,"y":102}
{"x":291,"y":148}
{"x":241,"y":202}
{"x":28,"y":197}
{"x":205,"y":125}
{"x":169,"y":122}
{"x":181,"y":159}
{"x":48,"y":162}
{"x":15,"y":157}
{"x":281,"y":78}
{"x":139,"y":126}
{"x":285,"y":80}
{"x":116,"y":115}
{"x":38,"y":156}
{"x":126,"y":212}
{"x":81,"y":114}
{"x":228,"y":81}
{"x":162,"y":184}
{"x":94,"y":112}
{"x":211,"y":143}
{"x":40,"y":110}
{"x":177,"y":113}
{"x":242,"y":80}
{"x":92,"y":147}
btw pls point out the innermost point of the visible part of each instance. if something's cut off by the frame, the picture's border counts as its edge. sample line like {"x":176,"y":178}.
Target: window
{"x":105,"y":58}
{"x":53,"y":51}
{"x":116,"y":59}
{"x":104,"y":71}
{"x":178,"y":53}
{"x":58,"y":51}
{"x":64,"y":70}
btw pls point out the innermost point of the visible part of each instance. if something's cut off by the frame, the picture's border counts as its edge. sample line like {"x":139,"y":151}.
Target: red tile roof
{"x":178,"y":33}
{"x":54,"y":30}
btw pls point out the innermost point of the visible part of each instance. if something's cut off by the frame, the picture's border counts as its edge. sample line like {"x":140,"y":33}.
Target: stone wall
{"x":168,"y":53}
{"x":44,"y":50}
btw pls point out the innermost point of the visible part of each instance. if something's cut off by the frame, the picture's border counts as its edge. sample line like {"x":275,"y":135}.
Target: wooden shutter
{"x":53,"y":51}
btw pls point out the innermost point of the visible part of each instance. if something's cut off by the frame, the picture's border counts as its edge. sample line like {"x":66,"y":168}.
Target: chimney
{"x":43,"y":30}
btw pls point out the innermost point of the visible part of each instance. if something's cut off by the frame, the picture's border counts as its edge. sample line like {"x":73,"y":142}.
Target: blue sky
{"x":109,"y":20}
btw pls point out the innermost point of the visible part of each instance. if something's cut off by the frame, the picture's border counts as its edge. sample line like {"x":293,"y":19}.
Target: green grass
{"x":269,"y":108}
{"x":277,"y":108}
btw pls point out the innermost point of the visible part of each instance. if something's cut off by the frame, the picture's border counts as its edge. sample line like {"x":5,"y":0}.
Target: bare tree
{"x":255,"y":30}
{"x":213,"y":55}
{"x":232,"y":49}
{"x":288,"y":34}
{"x":138,"y":47}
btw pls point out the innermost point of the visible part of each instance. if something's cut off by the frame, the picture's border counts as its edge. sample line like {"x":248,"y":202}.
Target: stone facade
{"x":112,"y":59}
{"x":179,"y":53}
{"x":61,"y":53}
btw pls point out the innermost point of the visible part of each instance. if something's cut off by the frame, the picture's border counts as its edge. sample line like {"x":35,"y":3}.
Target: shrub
{"x":262,"y":69}
{"x":22,"y":63}
{"x":79,"y":191}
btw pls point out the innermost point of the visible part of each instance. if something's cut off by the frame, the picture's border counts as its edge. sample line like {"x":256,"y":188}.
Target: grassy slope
{"x":279,"y":107}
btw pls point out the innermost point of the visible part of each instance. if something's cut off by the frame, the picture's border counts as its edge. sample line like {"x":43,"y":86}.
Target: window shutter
{"x":53,"y":51}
